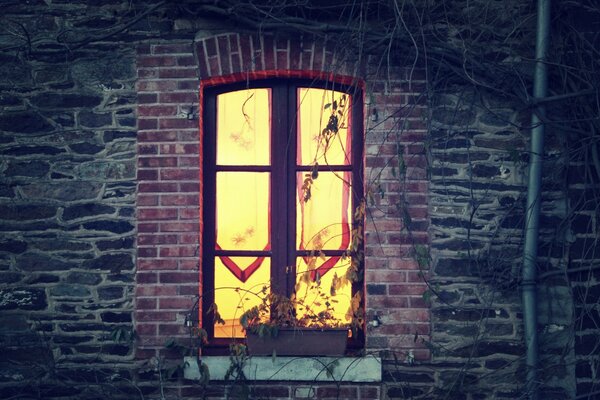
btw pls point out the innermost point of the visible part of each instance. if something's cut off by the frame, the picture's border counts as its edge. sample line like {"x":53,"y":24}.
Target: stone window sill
{"x":301,"y":369}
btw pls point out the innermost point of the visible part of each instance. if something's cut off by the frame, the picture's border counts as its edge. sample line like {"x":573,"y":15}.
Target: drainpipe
{"x":532,"y":215}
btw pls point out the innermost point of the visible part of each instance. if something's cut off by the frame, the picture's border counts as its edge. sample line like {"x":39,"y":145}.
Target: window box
{"x":299,"y":342}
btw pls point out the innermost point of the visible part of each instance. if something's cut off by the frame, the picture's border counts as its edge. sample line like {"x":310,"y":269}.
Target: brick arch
{"x":248,"y":55}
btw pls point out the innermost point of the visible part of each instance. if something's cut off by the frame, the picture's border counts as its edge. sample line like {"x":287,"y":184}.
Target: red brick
{"x":224,"y":51}
{"x":383,"y":276}
{"x":146,"y":162}
{"x":188,"y":85}
{"x":189,"y":238}
{"x":202,"y":57}
{"x":180,"y":303}
{"x":178,"y":277}
{"x":147,"y":73}
{"x":179,"y":174}
{"x":179,"y":251}
{"x":153,"y":290}
{"x":404,"y":263}
{"x":172,"y":330}
{"x":189,"y":265}
{"x":147,"y":252}
{"x":147,"y":98}
{"x":157,"y":136}
{"x":146,"y":329}
{"x":186,"y":187}
{"x":408,"y":289}
{"x":157,"y":213}
{"x":246,"y":53}
{"x":214,"y":66}
{"x":189,"y":161}
{"x":282,"y":60}
{"x":156,"y":86}
{"x":147,"y":175}
{"x":387,"y":302}
{"x":147,"y":200}
{"x":155,"y":264}
{"x":147,"y":227}
{"x":155,"y":316}
{"x":147,"y":149}
{"x":179,"y":148}
{"x":145,"y":304}
{"x":156,"y":187}
{"x":155,"y":61}
{"x":211,"y":46}
{"x":156,"y":111}
{"x":189,"y":290}
{"x":179,"y":97}
{"x":188,"y":136}
{"x":268,"y":53}
{"x":368,"y":393}
{"x":179,"y":199}
{"x":334,"y":392}
{"x":189,"y":213}
{"x":147,"y":123}
{"x":146,"y":277}
{"x":178,"y":73}
{"x":179,"y":227}
{"x":174,"y":48}
{"x":157,"y":239}
{"x":176,"y":123}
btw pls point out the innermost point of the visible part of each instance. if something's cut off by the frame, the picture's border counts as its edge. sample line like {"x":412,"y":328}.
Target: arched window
{"x":282,"y":176}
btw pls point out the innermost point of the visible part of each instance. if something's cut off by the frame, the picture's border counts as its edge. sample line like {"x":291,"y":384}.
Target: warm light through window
{"x":245,"y":192}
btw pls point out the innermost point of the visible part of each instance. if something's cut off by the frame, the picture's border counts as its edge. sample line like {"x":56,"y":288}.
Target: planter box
{"x":300,"y":342}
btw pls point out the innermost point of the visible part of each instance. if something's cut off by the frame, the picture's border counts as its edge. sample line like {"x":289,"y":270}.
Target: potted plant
{"x":296,"y":326}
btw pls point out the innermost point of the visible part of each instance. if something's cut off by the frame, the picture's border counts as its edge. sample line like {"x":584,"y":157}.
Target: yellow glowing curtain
{"x":323,"y":127}
{"x":233,"y":297}
{"x":323,"y":221}
{"x":242,"y":206}
{"x":316,"y":295}
{"x":244,"y":127}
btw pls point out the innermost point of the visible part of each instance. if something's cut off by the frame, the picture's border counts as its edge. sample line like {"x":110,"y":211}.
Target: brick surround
{"x":170,"y":185}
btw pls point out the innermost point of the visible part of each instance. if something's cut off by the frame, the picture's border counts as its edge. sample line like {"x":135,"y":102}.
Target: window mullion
{"x":279,"y":173}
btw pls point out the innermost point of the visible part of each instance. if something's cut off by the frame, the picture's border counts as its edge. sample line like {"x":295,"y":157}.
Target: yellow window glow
{"x":244,"y":127}
{"x":242,"y":210}
{"x":323,"y":222}
{"x":316,"y":295}
{"x":323,"y":127}
{"x":233,"y":297}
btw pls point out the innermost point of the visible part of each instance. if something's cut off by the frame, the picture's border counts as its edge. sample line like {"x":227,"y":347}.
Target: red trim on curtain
{"x":244,"y":274}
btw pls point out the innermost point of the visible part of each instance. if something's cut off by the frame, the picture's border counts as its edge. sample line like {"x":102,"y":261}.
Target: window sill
{"x":301,"y":369}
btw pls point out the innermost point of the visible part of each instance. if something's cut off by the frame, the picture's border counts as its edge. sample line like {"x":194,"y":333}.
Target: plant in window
{"x":282,"y":174}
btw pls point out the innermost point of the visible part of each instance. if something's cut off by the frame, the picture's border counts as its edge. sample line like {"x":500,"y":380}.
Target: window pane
{"x":323,"y":221}
{"x":324,"y":133}
{"x":232,"y":303}
{"x":244,"y":127}
{"x":327,"y":290}
{"x":242,"y":211}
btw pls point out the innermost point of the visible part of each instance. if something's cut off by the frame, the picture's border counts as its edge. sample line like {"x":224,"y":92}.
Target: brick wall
{"x":169,"y":182}
{"x":168,"y":193}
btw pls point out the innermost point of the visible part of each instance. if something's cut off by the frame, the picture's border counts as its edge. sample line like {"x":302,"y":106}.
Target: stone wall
{"x":97,"y":150}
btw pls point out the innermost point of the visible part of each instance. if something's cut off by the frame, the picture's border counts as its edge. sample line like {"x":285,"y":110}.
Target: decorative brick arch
{"x":170,"y":186}
{"x":234,"y":53}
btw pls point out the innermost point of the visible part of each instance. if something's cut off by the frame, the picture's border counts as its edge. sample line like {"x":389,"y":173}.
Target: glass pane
{"x":242,"y":211}
{"x":244,"y":127}
{"x":324,"y":135}
{"x":240,"y":283}
{"x":325,"y":289}
{"x":323,"y":217}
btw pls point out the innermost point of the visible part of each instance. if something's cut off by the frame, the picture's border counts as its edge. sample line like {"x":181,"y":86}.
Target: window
{"x":282,"y":176}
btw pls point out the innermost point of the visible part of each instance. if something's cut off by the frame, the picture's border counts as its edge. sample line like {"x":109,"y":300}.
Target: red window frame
{"x":283,"y":171}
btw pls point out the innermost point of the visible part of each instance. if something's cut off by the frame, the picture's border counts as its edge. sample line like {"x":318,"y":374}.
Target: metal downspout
{"x":532,"y":215}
